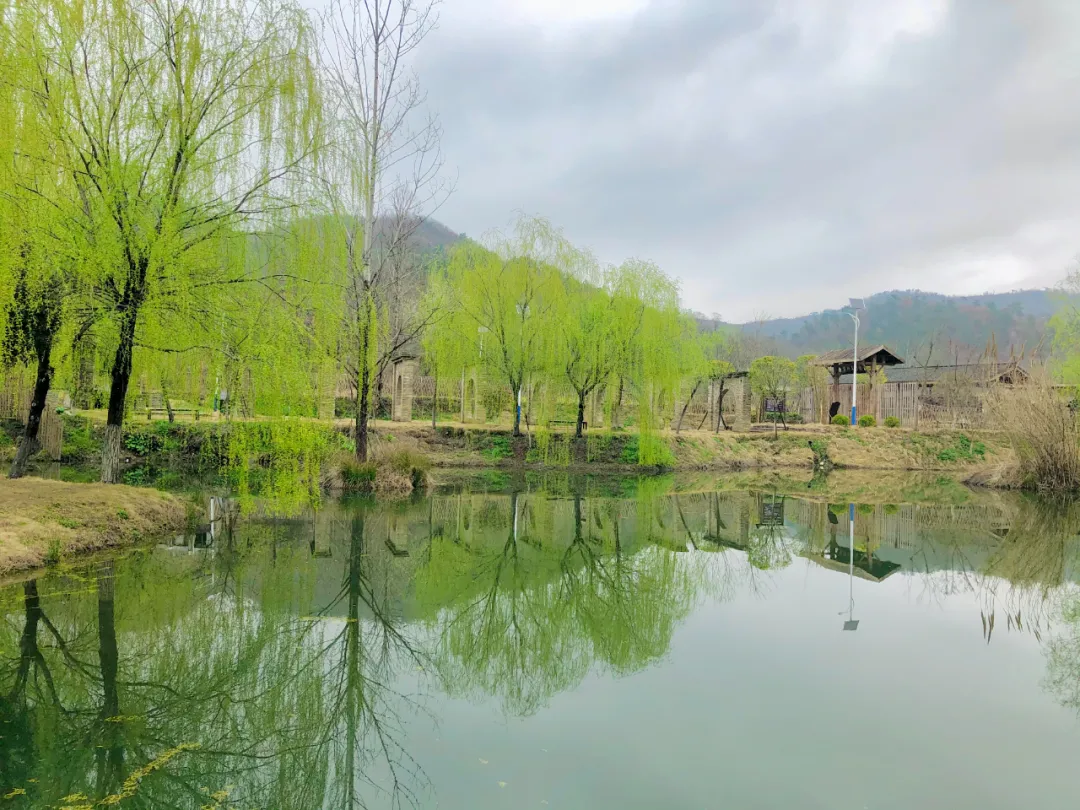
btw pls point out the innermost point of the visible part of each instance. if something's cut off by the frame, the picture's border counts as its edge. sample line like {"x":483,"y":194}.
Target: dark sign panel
{"x":772,"y":513}
{"x":774,"y":405}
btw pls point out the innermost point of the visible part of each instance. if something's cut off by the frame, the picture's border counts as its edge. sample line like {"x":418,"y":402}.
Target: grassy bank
{"x":167,"y":456}
{"x":42,"y":521}
{"x":846,"y":448}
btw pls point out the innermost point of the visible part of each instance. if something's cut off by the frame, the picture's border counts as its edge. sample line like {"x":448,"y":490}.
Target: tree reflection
{"x":527,"y":616}
{"x":364,"y":659}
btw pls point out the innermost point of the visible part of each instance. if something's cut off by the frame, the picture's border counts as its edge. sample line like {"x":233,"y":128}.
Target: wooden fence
{"x":16,"y":392}
{"x":914,"y":404}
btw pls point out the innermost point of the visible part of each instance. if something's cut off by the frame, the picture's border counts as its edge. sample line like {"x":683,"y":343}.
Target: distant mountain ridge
{"x":912,"y":321}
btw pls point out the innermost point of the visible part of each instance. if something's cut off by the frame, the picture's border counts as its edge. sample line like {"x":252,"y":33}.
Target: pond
{"x":583,"y":645}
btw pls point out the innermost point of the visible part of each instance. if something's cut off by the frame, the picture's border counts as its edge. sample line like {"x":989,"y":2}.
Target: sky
{"x":775,"y":157}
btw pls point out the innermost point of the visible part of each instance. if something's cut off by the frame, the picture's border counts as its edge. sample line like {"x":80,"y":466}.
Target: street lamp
{"x":856,"y":305}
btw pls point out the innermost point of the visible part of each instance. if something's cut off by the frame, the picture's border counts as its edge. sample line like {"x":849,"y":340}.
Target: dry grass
{"x":41,"y":520}
{"x":1042,"y":430}
{"x":396,"y":468}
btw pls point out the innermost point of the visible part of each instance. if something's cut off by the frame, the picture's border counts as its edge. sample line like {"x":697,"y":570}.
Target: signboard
{"x":774,"y":405}
{"x":772,"y":513}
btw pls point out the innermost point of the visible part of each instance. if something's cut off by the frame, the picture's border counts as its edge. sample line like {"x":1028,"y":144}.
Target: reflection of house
{"x":864,"y":565}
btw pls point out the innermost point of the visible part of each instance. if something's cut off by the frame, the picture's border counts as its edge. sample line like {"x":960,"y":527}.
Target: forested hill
{"x":911,"y":320}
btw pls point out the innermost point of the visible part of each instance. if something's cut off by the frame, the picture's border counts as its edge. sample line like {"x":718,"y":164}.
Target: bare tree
{"x":384,"y":176}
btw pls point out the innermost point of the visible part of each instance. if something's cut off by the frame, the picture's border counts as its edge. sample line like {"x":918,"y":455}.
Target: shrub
{"x":867,"y":420}
{"x":54,"y":552}
{"x":499,"y":448}
{"x":357,"y":476}
{"x":1043,"y":431}
{"x":405,"y":462}
{"x":892,"y":422}
{"x":840,"y":419}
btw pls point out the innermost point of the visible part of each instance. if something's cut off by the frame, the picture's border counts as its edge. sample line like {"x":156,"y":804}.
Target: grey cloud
{"x":748,"y":158}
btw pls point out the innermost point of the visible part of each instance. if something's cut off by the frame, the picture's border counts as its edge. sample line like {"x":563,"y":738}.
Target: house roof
{"x":970,"y":372}
{"x":881,"y":354}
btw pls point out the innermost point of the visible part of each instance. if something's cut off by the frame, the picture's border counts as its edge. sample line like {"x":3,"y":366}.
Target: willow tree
{"x":39,"y":251}
{"x":511,"y":294}
{"x":656,"y":355}
{"x":180,"y":123}
{"x":595,"y":329}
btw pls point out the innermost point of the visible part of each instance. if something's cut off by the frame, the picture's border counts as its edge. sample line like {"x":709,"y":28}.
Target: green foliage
{"x":841,"y":420}
{"x":892,"y":421}
{"x":281,"y":461}
{"x":964,"y":449}
{"x":771,"y":376}
{"x":135,"y":477}
{"x":123,"y":514}
{"x":867,"y":420}
{"x":552,"y":449}
{"x":498,"y":448}
{"x":653,"y":451}
{"x":54,"y":552}
{"x":629,"y":454}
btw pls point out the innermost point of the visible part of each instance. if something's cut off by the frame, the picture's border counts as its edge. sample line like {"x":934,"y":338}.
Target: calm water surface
{"x":612,"y":646}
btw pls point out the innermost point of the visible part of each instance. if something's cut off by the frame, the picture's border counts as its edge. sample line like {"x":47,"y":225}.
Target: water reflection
{"x":290,"y":663}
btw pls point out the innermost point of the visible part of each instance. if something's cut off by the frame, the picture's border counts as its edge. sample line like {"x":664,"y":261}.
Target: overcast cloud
{"x":776,"y":157}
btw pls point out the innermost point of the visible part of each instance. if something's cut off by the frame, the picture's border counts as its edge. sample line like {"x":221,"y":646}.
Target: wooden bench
{"x":564,"y":422}
{"x":176,"y":412}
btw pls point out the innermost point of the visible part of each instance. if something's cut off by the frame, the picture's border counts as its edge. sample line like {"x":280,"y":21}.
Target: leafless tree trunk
{"x":386,"y":175}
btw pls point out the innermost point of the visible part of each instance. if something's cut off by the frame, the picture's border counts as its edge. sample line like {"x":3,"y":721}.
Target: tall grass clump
{"x":394,"y":469}
{"x":1042,"y":430}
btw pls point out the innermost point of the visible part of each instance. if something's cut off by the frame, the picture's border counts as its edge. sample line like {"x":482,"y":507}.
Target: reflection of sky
{"x":763,"y":703}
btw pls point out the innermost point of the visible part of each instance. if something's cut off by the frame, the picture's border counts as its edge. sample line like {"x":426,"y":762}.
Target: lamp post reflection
{"x":852,"y":623}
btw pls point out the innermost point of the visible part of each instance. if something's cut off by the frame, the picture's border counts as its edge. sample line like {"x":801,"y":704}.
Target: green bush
{"x":964,"y":450}
{"x":54,"y":552}
{"x":840,"y":419}
{"x":357,"y":476}
{"x":499,"y":448}
{"x":867,"y":420}
{"x":892,"y":422}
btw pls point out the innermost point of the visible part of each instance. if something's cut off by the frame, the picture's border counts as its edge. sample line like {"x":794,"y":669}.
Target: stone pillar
{"x":404,"y":375}
{"x":740,"y":391}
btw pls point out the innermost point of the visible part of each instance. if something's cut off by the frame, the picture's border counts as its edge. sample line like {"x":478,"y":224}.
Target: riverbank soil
{"x":41,"y":520}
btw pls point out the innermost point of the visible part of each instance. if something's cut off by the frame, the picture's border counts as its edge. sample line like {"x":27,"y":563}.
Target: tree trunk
{"x":720,"y":408}
{"x":110,"y":753}
{"x":168,"y":404}
{"x":686,"y":405}
{"x":30,"y":444}
{"x":580,"y":425}
{"x":517,"y":411}
{"x":121,"y":377}
{"x":363,"y":386}
{"x":615,"y":408}
{"x":434,"y":400}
